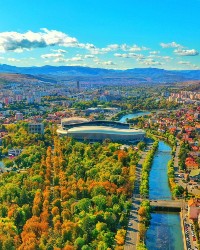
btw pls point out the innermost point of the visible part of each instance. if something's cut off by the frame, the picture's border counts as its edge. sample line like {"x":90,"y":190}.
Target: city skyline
{"x":128,"y":34}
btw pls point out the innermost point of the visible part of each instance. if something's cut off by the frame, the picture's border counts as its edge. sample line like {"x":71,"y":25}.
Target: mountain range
{"x":148,"y":75}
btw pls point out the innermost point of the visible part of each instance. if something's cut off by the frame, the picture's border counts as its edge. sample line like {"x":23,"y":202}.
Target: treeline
{"x":146,"y":167}
{"x":177,"y":190}
{"x":144,"y":221}
{"x":74,"y":196}
{"x":184,"y":150}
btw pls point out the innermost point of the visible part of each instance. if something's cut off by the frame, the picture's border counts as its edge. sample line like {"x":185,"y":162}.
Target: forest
{"x":70,"y":195}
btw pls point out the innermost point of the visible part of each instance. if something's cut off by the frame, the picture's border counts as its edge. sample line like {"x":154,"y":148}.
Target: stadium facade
{"x":84,"y":129}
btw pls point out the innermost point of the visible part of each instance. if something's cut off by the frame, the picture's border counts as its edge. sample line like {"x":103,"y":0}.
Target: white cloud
{"x":138,"y":57}
{"x":108,"y":63}
{"x":132,"y":48}
{"x":89,"y":56}
{"x":167,"y":58}
{"x":88,"y":46}
{"x":184,"y":62}
{"x":73,"y":59}
{"x":13,"y":60}
{"x":127,"y":55}
{"x":124,"y":47}
{"x":154,"y":56}
{"x":14,"y":41}
{"x":154,"y":52}
{"x":96,"y":60}
{"x":196,"y":66}
{"x":171,"y":45}
{"x":151,"y":62}
{"x":76,"y":58}
{"x":60,"y":60}
{"x":59,"y":51}
{"x":186,"y":52}
{"x":94,"y":50}
{"x":122,"y":55}
{"x":52,"y":55}
{"x":113,"y":46}
{"x":137,"y":48}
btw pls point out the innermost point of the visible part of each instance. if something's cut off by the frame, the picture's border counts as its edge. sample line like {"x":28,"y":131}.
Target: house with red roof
{"x":193,"y":208}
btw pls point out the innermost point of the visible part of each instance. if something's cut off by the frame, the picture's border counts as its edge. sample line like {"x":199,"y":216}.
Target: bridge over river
{"x":163,"y":202}
{"x":168,"y":204}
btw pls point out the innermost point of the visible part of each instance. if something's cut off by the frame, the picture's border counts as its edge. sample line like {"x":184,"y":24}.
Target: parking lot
{"x":190,"y":236}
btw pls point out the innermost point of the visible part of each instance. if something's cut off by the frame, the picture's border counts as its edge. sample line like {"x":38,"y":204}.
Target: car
{"x":194,"y":239}
{"x":130,"y":224}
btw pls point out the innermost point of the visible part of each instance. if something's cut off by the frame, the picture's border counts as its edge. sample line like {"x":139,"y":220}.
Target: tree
{"x":142,"y":211}
{"x":79,"y":242}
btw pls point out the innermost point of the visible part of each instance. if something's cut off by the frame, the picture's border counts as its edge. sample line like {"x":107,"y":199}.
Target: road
{"x":132,"y":230}
{"x":176,"y":168}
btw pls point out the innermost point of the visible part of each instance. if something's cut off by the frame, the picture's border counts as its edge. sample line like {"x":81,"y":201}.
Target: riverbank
{"x":146,"y":167}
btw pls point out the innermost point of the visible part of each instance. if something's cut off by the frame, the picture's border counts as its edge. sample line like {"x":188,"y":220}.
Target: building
{"x":14,"y":151}
{"x":193,"y":208}
{"x":36,"y":128}
{"x":83,"y":129}
{"x":195,"y":175}
{"x":18,"y":116}
{"x":191,"y":164}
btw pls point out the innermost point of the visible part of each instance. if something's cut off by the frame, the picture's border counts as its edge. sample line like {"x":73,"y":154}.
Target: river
{"x":1,"y":164}
{"x":165,"y":228}
{"x":134,"y":115}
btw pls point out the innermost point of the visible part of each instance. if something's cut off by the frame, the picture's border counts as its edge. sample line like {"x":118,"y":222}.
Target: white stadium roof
{"x":100,"y":130}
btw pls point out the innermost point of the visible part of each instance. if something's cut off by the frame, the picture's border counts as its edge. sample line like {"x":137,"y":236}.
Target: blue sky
{"x":109,"y":34}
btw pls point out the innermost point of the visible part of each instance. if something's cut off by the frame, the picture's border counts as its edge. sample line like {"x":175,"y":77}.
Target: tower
{"x":78,"y":85}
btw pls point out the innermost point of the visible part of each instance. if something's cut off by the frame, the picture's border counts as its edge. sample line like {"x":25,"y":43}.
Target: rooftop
{"x":74,"y":120}
{"x":101,"y":130}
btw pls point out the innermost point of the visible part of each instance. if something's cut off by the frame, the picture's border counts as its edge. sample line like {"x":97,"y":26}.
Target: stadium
{"x":84,"y":129}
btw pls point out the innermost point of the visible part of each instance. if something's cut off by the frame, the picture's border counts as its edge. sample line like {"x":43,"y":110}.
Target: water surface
{"x":165,"y":229}
{"x":1,"y":164}
{"x":158,"y":179}
{"x":165,"y":232}
{"x":135,"y":115}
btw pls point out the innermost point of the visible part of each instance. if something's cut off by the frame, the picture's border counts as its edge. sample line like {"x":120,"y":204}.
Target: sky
{"x":112,"y":34}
